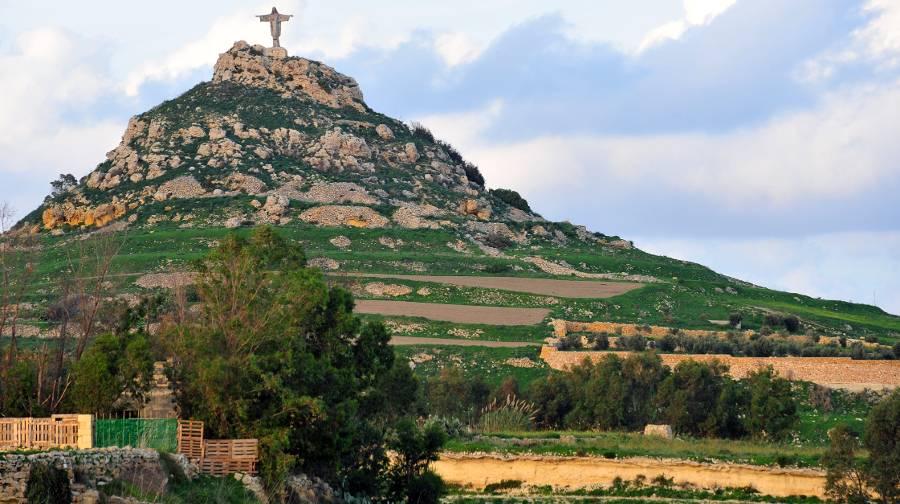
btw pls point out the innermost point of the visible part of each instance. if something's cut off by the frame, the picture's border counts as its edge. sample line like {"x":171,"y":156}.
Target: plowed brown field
{"x":460,"y":314}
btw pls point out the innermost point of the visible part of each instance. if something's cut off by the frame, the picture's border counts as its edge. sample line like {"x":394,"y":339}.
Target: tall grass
{"x":512,"y":414}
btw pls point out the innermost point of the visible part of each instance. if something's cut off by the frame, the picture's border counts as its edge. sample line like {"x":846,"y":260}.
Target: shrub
{"x":792,"y":324}
{"x":511,"y":198}
{"x":636,"y":343}
{"x":498,"y":241}
{"x":503,"y":485}
{"x":570,"y":342}
{"x":735,"y":319}
{"x":497,"y":268}
{"x":601,"y":342}
{"x":419,"y":131}
{"x":48,"y":485}
{"x":773,"y":320}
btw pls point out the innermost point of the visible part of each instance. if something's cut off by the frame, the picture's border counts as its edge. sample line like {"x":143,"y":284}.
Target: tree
{"x":845,"y":479}
{"x":114,"y":367}
{"x":773,"y":410}
{"x":735,"y":319}
{"x":451,"y":394}
{"x":410,"y":478}
{"x":882,"y":439}
{"x":689,"y":396}
{"x":65,"y":183}
{"x":276,"y":354}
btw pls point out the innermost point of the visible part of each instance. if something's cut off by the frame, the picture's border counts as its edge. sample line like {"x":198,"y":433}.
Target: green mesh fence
{"x":157,"y":433}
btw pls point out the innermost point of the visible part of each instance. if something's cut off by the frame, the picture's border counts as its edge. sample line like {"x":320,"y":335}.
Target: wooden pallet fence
{"x":227,"y":456}
{"x":217,"y":457}
{"x":190,"y":439}
{"x":58,"y":431}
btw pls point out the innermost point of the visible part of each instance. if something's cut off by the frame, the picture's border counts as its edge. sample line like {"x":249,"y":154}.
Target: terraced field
{"x":585,"y":289}
{"x":455,"y":313}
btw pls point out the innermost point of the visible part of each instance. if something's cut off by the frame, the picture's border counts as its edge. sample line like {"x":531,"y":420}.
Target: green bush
{"x":48,"y":485}
{"x":511,"y":198}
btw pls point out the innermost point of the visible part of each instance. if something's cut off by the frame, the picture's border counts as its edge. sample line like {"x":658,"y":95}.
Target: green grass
{"x":620,"y":445}
{"x":490,"y":364}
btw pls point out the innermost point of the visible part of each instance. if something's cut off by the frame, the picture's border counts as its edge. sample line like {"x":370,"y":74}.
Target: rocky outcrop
{"x":180,"y":188}
{"x":337,"y":192}
{"x":475,"y":208}
{"x":300,"y":77}
{"x":72,"y":215}
{"x":340,"y":215}
{"x":415,"y":216}
{"x":340,"y":151}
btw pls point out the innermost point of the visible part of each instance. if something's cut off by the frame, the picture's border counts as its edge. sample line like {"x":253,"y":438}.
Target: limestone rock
{"x":337,"y":192}
{"x":340,"y":242}
{"x":391,"y":290}
{"x":384,"y":132}
{"x":663,"y":431}
{"x":340,"y":151}
{"x":324,"y":263}
{"x":339,"y":215}
{"x":248,"y":65}
{"x":245,"y":183}
{"x":180,"y":188}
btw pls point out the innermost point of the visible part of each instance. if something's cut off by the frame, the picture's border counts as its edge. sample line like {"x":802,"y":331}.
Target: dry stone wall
{"x":139,"y":467}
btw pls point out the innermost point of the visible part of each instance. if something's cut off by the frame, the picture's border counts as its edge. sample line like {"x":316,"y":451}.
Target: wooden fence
{"x":58,"y":431}
{"x":217,"y":457}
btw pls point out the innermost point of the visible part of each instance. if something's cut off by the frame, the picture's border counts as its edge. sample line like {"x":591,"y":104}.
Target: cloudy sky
{"x":759,"y":137}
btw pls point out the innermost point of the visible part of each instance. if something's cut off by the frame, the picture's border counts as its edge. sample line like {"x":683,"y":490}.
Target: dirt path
{"x":413,"y":340}
{"x":477,"y":471}
{"x":542,"y":286}
{"x":460,"y":314}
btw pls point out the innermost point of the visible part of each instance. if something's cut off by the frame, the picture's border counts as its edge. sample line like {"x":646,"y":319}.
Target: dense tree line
{"x":696,"y":398}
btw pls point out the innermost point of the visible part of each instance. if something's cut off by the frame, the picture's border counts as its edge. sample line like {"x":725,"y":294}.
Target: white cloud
{"x":881,"y":36}
{"x":204,"y":51}
{"x":51,"y":73}
{"x":841,"y":149}
{"x":457,"y":48}
{"x":696,"y":13}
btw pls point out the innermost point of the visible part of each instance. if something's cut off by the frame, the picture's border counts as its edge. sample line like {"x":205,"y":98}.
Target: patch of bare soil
{"x":543,"y":286}
{"x":460,"y":314}
{"x":417,"y":341}
{"x":478,"y":470}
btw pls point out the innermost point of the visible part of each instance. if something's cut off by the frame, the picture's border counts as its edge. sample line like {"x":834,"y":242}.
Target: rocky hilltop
{"x":274,"y":140}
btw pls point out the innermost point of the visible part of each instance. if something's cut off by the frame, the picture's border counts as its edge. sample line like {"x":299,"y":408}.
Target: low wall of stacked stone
{"x":87,"y":469}
{"x":563,"y":327}
{"x":834,"y":372}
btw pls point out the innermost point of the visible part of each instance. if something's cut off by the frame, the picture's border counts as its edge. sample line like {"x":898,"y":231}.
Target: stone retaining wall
{"x":139,"y":467}
{"x":834,"y":372}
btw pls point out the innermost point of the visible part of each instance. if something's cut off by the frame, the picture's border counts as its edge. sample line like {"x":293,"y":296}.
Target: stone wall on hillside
{"x":834,"y":372}
{"x":140,"y":467}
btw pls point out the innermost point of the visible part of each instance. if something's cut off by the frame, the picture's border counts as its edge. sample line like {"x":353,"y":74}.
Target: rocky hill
{"x":272,"y":140}
{"x":399,"y":218}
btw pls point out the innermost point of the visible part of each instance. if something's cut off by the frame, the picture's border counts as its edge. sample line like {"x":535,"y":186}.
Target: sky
{"x":757,"y":137}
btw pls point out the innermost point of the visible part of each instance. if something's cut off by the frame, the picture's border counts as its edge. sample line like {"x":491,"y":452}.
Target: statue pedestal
{"x":276,"y":52}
